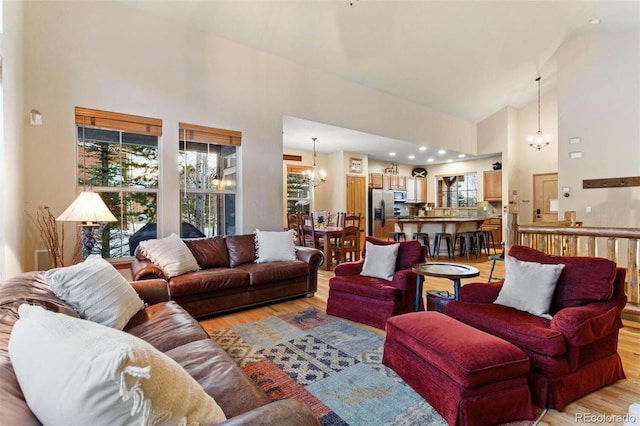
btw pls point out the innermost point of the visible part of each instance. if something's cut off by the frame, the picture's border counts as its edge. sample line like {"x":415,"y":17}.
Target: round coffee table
{"x":454,"y":271}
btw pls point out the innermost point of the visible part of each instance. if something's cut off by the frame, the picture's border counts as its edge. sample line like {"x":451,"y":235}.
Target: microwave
{"x":399,"y":196}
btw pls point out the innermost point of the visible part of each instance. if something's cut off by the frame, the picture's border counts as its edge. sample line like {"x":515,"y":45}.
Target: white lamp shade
{"x":89,"y":208}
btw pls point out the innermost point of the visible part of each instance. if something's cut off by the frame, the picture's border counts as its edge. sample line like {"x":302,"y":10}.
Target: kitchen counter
{"x":447,"y":223}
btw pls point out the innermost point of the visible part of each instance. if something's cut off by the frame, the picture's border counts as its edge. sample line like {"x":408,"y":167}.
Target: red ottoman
{"x":470,"y":377}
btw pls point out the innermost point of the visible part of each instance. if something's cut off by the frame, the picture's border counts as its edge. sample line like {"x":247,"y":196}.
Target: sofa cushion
{"x":524,"y":330}
{"x":409,"y":252}
{"x":207,"y":281}
{"x":272,"y":246}
{"x":165,"y":326}
{"x":96,"y":290}
{"x":209,"y":252}
{"x":380,"y":261}
{"x":583,"y":279}
{"x":242,"y":249}
{"x":369,"y":287}
{"x":267,"y":273}
{"x":111,"y":377}
{"x":171,"y":255}
{"x":529,"y":286}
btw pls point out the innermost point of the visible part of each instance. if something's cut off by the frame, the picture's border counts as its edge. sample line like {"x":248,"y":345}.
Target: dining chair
{"x":294,"y":221}
{"x":348,"y":245}
{"x":335,"y":219}
{"x":309,"y":237}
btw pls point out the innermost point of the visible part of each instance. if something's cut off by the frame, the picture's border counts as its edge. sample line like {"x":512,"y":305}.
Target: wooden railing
{"x":566,"y":238}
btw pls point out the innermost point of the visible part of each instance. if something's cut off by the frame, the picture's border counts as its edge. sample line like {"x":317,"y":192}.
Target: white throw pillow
{"x":170,"y":254}
{"x":273,"y":246}
{"x":77,"y":372}
{"x":96,"y":290}
{"x":380,"y":260}
{"x":529,"y":286}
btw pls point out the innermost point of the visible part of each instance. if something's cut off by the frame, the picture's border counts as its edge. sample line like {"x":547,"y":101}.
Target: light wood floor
{"x":614,"y":400}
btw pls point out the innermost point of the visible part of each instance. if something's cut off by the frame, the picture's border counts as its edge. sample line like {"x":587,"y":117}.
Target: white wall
{"x":107,"y":55}
{"x":12,"y":215}
{"x":599,"y":101}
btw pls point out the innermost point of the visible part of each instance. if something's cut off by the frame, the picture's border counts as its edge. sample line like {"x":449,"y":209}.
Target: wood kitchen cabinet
{"x":493,"y":185}
{"x":397,"y":182}
{"x":375,"y":180}
{"x":416,"y":190}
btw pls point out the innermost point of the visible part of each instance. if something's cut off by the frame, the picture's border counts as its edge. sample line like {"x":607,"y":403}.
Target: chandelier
{"x":539,"y":140}
{"x":314,"y":178}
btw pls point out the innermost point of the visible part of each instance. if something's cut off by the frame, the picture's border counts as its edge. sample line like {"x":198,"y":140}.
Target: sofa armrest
{"x":313,"y":256}
{"x":582,"y":325}
{"x":144,"y":269}
{"x":152,"y":291}
{"x":285,"y":412}
{"x":346,"y":269}
{"x":480,"y":292}
{"x":404,"y":279}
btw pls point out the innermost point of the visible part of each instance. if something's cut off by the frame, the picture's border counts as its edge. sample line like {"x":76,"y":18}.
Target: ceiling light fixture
{"x":423,"y":148}
{"x":461,"y":155}
{"x":594,"y":21}
{"x":430,"y":160}
{"x":442,"y":152}
{"x":539,"y":140}
{"x":411,"y":157}
{"x":392,"y":154}
{"x":314,"y":179}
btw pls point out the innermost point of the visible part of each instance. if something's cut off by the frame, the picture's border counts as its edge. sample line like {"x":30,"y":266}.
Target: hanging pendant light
{"x":313,"y":177}
{"x":539,"y":140}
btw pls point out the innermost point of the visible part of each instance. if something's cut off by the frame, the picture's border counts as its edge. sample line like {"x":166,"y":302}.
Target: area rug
{"x":331,"y":365}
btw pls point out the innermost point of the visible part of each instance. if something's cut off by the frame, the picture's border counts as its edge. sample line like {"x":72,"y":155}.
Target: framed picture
{"x":356,"y":165}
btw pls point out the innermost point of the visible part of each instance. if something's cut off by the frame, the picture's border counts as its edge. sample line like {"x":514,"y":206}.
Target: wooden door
{"x":545,"y":189}
{"x":357,"y":198}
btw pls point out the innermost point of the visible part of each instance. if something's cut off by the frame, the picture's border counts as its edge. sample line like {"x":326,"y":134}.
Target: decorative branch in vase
{"x":53,"y":240}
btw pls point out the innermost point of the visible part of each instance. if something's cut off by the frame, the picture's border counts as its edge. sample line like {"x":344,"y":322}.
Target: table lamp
{"x":89,"y":209}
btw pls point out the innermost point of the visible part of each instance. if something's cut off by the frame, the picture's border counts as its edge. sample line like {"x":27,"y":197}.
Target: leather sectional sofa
{"x":229,"y":278}
{"x":167,"y":327}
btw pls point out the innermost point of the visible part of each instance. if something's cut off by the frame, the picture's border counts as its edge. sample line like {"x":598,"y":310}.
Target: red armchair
{"x":370,"y":300}
{"x":575,"y":352}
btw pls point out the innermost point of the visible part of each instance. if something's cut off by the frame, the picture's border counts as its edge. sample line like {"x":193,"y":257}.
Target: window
{"x":458,"y":191}
{"x":207,"y":165}
{"x":117,"y":155}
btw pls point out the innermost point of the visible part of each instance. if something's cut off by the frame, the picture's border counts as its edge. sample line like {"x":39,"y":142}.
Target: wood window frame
{"x":118,"y":121}
{"x":197,"y":133}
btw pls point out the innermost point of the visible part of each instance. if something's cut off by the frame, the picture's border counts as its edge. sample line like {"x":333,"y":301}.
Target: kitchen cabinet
{"x":398,"y":182}
{"x":495,"y":226}
{"x":298,"y":190}
{"x":416,"y":188}
{"x":493,"y":185}
{"x":375,"y":180}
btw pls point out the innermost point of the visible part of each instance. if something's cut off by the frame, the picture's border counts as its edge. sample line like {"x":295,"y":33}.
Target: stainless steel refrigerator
{"x":381,"y":215}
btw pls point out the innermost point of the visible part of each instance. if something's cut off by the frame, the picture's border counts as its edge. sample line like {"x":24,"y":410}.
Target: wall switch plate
{"x":588,"y":209}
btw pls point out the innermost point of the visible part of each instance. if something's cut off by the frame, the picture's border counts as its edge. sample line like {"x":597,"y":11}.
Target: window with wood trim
{"x":208,"y":184}
{"x":458,"y":190}
{"x":117,"y":157}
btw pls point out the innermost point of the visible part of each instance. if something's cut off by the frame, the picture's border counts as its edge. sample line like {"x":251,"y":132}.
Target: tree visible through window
{"x":122,"y":166}
{"x":207,"y":180}
{"x":458,"y":190}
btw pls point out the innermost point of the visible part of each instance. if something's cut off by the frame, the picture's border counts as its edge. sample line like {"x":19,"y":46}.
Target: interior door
{"x":357,"y":198}
{"x":545,"y":189}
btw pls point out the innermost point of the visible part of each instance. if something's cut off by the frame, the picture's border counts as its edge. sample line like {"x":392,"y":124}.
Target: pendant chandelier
{"x":313,"y":177}
{"x":539,"y":140}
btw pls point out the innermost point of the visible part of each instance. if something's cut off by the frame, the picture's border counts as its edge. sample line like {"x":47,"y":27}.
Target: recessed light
{"x":442,"y":152}
{"x":461,"y":155}
{"x":449,"y":160}
{"x":411,"y":157}
{"x":430,"y":160}
{"x":423,"y":148}
{"x":594,"y":21}
{"x":392,"y":154}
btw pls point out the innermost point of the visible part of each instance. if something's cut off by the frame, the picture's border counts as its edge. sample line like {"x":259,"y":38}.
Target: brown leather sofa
{"x":229,"y":278}
{"x":167,"y":327}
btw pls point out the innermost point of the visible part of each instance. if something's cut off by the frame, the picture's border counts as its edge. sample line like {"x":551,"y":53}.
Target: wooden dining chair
{"x":294,"y":221}
{"x":335,"y":219}
{"x":309,"y":236}
{"x":348,"y":245}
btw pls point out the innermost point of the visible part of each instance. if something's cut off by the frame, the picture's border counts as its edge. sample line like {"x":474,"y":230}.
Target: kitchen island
{"x":433,"y":224}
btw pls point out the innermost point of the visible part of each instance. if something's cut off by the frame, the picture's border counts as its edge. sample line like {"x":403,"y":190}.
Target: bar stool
{"x":436,"y":244}
{"x":397,"y":236}
{"x":488,"y":238}
{"x":467,"y":243}
{"x":425,"y":240}
{"x":481,"y":241}
{"x":495,"y":258}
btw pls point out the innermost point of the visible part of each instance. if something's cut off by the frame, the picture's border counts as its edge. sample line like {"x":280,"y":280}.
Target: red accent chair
{"x":370,"y":300}
{"x":575,"y":352}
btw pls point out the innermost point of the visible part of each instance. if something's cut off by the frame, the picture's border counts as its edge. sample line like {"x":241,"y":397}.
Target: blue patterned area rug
{"x":328,"y":363}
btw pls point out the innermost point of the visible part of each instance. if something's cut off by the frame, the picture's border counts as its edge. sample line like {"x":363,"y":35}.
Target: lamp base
{"x":88,"y":240}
